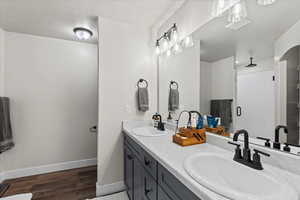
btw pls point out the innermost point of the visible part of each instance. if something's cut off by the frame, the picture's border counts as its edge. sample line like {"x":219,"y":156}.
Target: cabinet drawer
{"x":150,"y":187}
{"x":137,"y":150}
{"x":149,"y":164}
{"x":173,"y":187}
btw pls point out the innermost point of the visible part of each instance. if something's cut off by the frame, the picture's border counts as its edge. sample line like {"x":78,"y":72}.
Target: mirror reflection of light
{"x":265,"y":2}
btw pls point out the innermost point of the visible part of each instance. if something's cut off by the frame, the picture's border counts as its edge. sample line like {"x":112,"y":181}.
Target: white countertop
{"x":172,"y":157}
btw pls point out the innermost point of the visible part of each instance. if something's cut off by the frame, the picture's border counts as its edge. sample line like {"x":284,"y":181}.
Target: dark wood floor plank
{"x":75,"y":184}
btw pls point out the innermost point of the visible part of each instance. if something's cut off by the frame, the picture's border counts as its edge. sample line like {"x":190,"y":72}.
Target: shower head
{"x":251,"y":63}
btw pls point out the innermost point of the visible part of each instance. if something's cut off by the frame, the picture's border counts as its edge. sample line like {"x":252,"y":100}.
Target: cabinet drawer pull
{"x":130,"y":157}
{"x":147,"y":191}
{"x":147,"y":162}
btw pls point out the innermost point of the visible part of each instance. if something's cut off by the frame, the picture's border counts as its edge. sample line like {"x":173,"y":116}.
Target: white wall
{"x":217,"y":82}
{"x":223,"y":79}
{"x":184,"y":68}
{"x":289,"y":39}
{"x":124,"y":57}
{"x":1,"y":82}
{"x":205,"y":87}
{"x":1,"y":62}
{"x":52,"y":85}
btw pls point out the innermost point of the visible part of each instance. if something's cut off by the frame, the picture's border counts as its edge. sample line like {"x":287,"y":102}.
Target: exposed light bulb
{"x":188,"y":41}
{"x":165,"y":44}
{"x":265,"y":2}
{"x":157,"y":48}
{"x":174,"y":36}
{"x":177,"y":48}
{"x":168,"y":52}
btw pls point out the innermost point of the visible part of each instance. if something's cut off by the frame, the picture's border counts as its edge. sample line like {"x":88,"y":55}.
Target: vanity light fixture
{"x":265,"y":2}
{"x":188,"y":42}
{"x":170,"y":42}
{"x":82,"y":33}
{"x":157,"y":48}
{"x":237,"y":16}
{"x":220,"y":6}
{"x":177,"y":48}
{"x":165,"y":43}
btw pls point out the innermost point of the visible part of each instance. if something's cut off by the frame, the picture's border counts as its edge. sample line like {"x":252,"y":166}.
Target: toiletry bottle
{"x":155,"y":119}
{"x":200,"y":124}
{"x":205,"y":120}
{"x":194,"y":121}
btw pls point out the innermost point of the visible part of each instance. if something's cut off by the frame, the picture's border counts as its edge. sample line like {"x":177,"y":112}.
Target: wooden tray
{"x":220,"y":130}
{"x":187,"y":137}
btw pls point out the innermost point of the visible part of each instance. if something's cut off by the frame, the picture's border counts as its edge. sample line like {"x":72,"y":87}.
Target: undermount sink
{"x":149,"y":131}
{"x":235,"y":181}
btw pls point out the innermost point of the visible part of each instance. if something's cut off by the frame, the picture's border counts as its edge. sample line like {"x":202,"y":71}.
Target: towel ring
{"x":173,"y":83}
{"x":140,"y":82}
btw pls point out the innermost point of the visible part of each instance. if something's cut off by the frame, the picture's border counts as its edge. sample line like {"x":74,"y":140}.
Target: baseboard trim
{"x":103,"y":190}
{"x":46,"y":169}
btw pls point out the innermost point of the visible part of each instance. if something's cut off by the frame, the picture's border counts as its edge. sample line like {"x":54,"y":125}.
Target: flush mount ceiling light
{"x":265,"y":2}
{"x":170,"y":42}
{"x":82,"y":33}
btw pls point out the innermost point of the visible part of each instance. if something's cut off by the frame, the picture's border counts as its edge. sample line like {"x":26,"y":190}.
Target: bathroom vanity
{"x":146,"y":178}
{"x":157,"y":169}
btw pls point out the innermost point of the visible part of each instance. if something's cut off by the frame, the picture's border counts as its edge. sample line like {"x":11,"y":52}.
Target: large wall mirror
{"x":239,"y":70}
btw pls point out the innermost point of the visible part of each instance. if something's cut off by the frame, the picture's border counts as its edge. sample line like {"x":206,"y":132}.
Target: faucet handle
{"x":256,"y":159}
{"x":267,"y":143}
{"x":293,"y":145}
{"x":238,"y":152}
{"x":232,"y":143}
{"x":262,"y":153}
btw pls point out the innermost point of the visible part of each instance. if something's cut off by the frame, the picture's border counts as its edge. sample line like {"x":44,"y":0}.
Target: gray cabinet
{"x":128,"y":171}
{"x":161,"y":195}
{"x":138,"y":180}
{"x":149,"y":187}
{"x":146,"y":179}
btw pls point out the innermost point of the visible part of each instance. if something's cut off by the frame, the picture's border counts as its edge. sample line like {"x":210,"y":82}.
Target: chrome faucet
{"x":245,"y":159}
{"x":276,"y":144}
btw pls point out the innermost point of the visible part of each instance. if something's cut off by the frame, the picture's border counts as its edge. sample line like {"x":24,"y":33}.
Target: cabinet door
{"x":149,"y":187}
{"x":138,"y":180}
{"x":128,"y":171}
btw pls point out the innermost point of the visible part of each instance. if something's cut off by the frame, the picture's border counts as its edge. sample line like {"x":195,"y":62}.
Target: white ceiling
{"x":57,"y":18}
{"x":256,"y":39}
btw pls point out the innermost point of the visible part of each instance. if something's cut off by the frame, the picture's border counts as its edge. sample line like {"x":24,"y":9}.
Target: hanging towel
{"x":173,"y":99}
{"x":143,"y":99}
{"x":222,"y":108}
{"x":6,"y":138}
